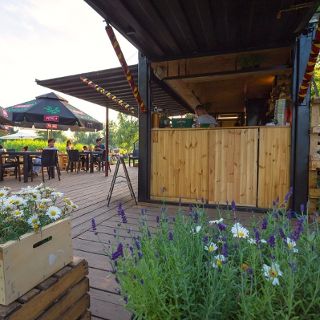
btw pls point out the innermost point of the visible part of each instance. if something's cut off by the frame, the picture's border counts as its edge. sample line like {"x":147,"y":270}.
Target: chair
{"x":73,"y":159}
{"x":9,"y":162}
{"x":49,"y":160}
{"x":134,"y":155}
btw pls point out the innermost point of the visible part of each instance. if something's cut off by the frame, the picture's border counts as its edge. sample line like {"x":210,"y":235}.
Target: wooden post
{"x":107,"y":143}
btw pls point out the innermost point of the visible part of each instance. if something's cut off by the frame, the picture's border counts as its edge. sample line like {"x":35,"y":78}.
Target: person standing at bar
{"x":204,"y":118}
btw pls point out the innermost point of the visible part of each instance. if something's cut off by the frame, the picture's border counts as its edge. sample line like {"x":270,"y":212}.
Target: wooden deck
{"x":89,"y":192}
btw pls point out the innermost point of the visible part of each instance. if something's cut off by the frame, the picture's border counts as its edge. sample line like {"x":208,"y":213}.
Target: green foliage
{"x":173,"y":274}
{"x":35,"y":145}
{"x":125,"y":133}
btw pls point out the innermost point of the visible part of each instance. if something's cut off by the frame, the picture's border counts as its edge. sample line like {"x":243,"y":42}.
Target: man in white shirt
{"x":204,"y":118}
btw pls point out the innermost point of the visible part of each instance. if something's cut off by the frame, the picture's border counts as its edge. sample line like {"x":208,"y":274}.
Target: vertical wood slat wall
{"x":221,"y":165}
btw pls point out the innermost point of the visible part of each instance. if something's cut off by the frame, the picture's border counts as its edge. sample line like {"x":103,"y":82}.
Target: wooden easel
{"x":120,"y":161}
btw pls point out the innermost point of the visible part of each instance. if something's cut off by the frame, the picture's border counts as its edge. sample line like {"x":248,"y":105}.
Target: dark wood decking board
{"x":89,"y":192}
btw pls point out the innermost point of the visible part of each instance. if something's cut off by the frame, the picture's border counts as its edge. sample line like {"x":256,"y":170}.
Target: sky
{"x":43,"y":39}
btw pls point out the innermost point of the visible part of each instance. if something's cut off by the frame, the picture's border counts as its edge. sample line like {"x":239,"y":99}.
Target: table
{"x":90,"y":155}
{"x":26,"y":156}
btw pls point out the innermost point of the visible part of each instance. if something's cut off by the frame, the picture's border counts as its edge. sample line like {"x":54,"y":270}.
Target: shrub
{"x":36,"y":145}
{"x":192,"y":268}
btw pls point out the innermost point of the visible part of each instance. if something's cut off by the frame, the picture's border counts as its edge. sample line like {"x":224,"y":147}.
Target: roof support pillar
{"x":144,"y":130}
{"x":300,"y":125}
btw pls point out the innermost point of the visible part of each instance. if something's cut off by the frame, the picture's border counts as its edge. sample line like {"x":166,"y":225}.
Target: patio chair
{"x":49,"y":160}
{"x":8,"y":162}
{"x":134,"y":155}
{"x":73,"y":160}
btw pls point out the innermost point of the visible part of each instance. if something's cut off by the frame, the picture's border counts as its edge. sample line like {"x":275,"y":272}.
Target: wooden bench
{"x":63,"y":296}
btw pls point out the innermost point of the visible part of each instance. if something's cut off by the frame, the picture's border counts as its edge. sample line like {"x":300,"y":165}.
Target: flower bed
{"x":30,"y":209}
{"x":35,"y":238}
{"x":192,"y":268}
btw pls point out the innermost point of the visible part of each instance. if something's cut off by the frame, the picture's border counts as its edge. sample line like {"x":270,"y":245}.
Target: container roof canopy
{"x":114,"y":81}
{"x":169,"y":29}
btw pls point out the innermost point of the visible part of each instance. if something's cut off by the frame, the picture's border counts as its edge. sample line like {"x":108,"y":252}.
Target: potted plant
{"x":35,"y":238}
{"x":192,"y":268}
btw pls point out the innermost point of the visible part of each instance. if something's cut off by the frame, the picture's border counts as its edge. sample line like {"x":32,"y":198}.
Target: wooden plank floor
{"x":89,"y":192}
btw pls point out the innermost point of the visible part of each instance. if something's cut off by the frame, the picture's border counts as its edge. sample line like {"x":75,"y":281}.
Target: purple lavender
{"x":233,"y":205}
{"x":122,"y":214}
{"x":288,"y":195}
{"x":140,"y":255}
{"x":272,"y":241}
{"x":158,"y":219}
{"x":264,"y":224}
{"x":222,"y":226}
{"x":118,"y":253}
{"x":224,"y":250}
{"x":302,"y":208}
{"x":170,"y":236}
{"x":131,"y":250}
{"x":205,"y":240}
{"x":257,"y":235}
{"x":290,"y":214}
{"x":137,"y":242}
{"x":298,"y":230}
{"x":282,"y":234}
{"x":94,"y":226}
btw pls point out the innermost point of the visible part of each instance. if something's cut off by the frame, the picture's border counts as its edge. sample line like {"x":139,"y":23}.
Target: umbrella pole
{"x":107,"y":143}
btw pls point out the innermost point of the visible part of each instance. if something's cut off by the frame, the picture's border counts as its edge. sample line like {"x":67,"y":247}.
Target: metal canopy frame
{"x":114,"y":81}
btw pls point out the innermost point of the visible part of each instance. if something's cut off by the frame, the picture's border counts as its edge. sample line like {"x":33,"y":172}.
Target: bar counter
{"x":250,"y":165}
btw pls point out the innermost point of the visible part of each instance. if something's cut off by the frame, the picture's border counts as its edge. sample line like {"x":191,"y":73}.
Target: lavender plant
{"x":192,"y":268}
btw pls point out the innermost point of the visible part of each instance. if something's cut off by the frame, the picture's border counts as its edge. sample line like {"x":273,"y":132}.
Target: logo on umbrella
{"x":52,"y":110}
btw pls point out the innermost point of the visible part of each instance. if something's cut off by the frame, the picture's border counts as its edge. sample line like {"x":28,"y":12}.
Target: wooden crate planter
{"x":63,"y":296}
{"x":26,"y":262}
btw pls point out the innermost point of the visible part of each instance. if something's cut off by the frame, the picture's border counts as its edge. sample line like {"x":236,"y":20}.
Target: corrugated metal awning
{"x":114,"y":81}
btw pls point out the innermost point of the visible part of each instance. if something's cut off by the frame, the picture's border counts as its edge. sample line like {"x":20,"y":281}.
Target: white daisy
{"x":211,"y":248}
{"x":196,"y":229}
{"x":34,"y":221}
{"x":216,"y":221}
{"x":57,"y":194}
{"x":54,"y":212}
{"x":291,"y":245}
{"x":3,"y":193}
{"x":239,"y":231}
{"x":218,"y":261}
{"x":272,"y":273}
{"x":17,"y":213}
{"x":252,"y":241}
{"x":16,"y":200}
{"x":263,"y":241}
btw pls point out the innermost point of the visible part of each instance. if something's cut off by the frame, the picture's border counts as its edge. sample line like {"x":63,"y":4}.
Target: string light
{"x":108,"y":94}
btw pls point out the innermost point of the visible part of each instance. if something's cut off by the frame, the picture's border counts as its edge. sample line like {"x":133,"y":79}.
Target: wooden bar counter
{"x":250,"y":165}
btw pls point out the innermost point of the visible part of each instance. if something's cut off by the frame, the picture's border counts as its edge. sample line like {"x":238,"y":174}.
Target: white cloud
{"x":50,"y":38}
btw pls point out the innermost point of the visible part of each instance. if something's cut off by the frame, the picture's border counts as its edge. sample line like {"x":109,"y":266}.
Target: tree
{"x":126,"y":133}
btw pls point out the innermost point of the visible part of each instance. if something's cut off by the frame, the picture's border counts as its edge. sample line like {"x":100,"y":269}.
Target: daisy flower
{"x":54,"y":212}
{"x":272,"y":273}
{"x":34,"y":221}
{"x":239,"y":231}
{"x":216,"y":221}
{"x":218,"y":261}
{"x":17,"y":213}
{"x":16,"y":200}
{"x":196,"y":229}
{"x":3,"y":192}
{"x":211,"y":247}
{"x":291,"y":245}
{"x":254,"y":241}
{"x":57,"y":194}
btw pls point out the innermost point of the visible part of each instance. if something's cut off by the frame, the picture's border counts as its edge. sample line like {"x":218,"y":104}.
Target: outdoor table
{"x":26,"y":156}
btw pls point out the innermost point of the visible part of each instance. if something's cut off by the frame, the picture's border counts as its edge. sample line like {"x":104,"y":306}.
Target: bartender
{"x":203,"y":118}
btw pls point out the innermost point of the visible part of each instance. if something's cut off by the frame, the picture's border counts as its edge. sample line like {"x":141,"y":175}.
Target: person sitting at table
{"x":99,"y":145}
{"x":37,"y":160}
{"x":69,"y":145}
{"x":84,"y":159}
{"x":25,"y":148}
{"x":204,"y":118}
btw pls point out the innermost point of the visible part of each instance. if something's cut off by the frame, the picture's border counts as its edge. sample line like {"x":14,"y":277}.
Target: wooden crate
{"x":63,"y":296}
{"x":26,"y":262}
